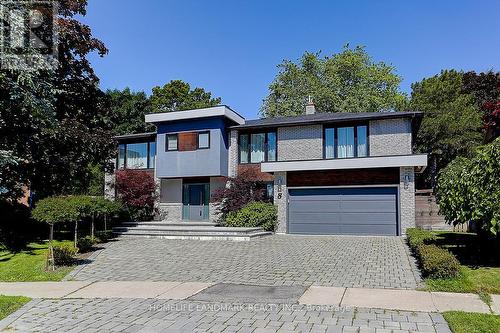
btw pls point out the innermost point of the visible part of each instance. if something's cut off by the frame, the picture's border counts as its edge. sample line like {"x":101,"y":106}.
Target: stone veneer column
{"x":233,"y":153}
{"x":281,"y":200}
{"x":407,"y":198}
{"x":109,"y":182}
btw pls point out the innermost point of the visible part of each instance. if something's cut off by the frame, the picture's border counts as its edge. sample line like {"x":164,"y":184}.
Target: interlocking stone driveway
{"x":373,"y":262}
{"x":148,"y":315}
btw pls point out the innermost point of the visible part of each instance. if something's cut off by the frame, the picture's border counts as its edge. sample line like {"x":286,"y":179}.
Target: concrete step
{"x":194,"y":236}
{"x":170,"y":224}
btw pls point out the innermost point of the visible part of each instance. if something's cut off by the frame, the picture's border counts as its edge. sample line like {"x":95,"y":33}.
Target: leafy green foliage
{"x":349,"y":81}
{"x":417,"y":237}
{"x":177,"y":95}
{"x":128,"y":109}
{"x":468,"y":190}
{"x":451,"y":125}
{"x":437,"y":262}
{"x":468,"y":322}
{"x":56,"y":209}
{"x":64,"y":254}
{"x":85,"y":244}
{"x":255,"y":214}
{"x":104,"y":235}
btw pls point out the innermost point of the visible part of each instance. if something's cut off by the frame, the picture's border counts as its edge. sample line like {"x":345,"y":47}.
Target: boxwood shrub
{"x":254,"y":214}
{"x":85,"y":244}
{"x":435,"y":261}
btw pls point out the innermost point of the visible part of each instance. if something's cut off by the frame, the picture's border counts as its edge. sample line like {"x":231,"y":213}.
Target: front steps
{"x":187,"y":230}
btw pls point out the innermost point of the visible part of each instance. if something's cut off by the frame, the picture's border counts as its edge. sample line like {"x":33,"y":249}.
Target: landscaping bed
{"x":466,"y":322}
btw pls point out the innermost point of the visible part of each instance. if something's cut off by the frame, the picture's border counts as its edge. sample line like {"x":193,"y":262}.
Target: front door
{"x":196,"y":197}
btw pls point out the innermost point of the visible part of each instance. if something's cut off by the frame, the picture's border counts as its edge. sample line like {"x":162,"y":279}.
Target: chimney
{"x":310,"y":108}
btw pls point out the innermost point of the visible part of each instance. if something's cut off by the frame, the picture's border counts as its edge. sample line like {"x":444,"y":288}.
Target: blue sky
{"x":231,"y":48}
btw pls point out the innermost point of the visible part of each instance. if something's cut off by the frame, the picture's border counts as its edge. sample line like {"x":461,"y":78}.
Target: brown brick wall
{"x":377,"y":176}
{"x":188,"y":141}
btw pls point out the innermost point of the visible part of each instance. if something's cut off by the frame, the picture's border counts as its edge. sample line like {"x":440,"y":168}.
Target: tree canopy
{"x":177,"y":95}
{"x":451,"y":125}
{"x":128,"y":109}
{"x":349,"y":81}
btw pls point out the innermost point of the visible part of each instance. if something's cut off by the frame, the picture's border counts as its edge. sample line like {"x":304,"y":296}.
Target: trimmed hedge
{"x":435,"y":262}
{"x":85,"y":244}
{"x":255,"y":214}
{"x":104,"y":235}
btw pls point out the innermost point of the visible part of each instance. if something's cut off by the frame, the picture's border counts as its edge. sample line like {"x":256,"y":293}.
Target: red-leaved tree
{"x":246,"y":187}
{"x":136,"y":189}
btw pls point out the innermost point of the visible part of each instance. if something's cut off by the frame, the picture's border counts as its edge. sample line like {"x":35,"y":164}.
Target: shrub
{"x":85,"y":244}
{"x":247,"y":187}
{"x":437,"y":262}
{"x":105,"y":235}
{"x":417,"y":237}
{"x":64,"y":255}
{"x":255,"y":214}
{"x":136,"y":189}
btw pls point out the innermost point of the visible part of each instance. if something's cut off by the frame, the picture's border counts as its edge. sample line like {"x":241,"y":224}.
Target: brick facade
{"x":390,"y":137}
{"x":407,"y":198}
{"x":300,"y":143}
{"x":281,"y":200}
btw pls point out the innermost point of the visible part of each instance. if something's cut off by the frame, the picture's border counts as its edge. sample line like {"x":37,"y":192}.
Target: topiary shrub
{"x":104,"y":236}
{"x":255,"y":214}
{"x":64,"y":255}
{"x":85,"y":244}
{"x":417,"y":237}
{"x":437,"y":263}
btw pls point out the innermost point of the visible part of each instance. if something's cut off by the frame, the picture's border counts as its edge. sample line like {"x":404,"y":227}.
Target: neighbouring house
{"x":328,"y":173}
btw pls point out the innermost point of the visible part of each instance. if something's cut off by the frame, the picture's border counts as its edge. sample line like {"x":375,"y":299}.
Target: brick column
{"x":407,"y":198}
{"x":109,"y":182}
{"x":233,"y":153}
{"x":281,"y":200}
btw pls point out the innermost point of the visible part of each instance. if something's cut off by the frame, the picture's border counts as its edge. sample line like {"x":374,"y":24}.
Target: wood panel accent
{"x":376,"y":176}
{"x":188,"y":141}
{"x":255,"y":169}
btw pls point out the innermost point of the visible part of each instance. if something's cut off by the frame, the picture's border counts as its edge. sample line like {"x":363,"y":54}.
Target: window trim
{"x":176,"y":141}
{"x":249,"y":144}
{"x":125,"y":151}
{"x":198,"y":140}
{"x":335,"y":139}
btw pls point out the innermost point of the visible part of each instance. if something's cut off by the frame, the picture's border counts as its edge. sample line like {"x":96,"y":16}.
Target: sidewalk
{"x":405,"y":300}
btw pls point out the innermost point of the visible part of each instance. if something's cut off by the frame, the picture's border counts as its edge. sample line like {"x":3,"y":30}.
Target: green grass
{"x":29,"y":265}
{"x":465,"y":322}
{"x":477,"y":280}
{"x":10,"y":304}
{"x":480,"y":272}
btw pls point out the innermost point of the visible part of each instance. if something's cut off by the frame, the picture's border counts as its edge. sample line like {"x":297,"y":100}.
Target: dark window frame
{"x":166,"y":142}
{"x":266,"y":147}
{"x":335,"y":140}
{"x":125,"y":150}
{"x":198,"y":140}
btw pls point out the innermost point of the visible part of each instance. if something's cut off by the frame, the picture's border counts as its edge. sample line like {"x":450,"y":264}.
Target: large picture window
{"x":140,"y":155}
{"x":346,"y":141}
{"x":257,"y":147}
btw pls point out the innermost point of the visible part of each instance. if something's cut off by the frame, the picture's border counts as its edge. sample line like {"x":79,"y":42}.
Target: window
{"x":244,"y":148}
{"x":137,"y":155}
{"x":257,"y":147}
{"x":346,"y":142}
{"x":121,"y":156}
{"x":152,"y":155}
{"x":140,"y":155}
{"x":203,"y":140}
{"x":172,"y":142}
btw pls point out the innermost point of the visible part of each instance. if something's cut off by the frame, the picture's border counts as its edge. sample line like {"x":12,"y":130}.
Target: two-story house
{"x":328,"y":173}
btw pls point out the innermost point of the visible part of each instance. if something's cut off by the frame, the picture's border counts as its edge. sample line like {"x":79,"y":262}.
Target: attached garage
{"x":343,"y":211}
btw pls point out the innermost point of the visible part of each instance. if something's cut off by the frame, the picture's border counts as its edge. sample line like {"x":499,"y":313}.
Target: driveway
{"x":344,"y":261}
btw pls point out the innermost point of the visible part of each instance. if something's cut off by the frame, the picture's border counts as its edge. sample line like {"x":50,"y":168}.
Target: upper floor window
{"x":203,"y":140}
{"x":172,"y":142}
{"x":139,"y":155}
{"x":345,"y":142}
{"x":257,"y":147}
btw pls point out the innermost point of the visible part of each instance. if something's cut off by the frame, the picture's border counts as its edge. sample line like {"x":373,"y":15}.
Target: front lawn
{"x":466,"y":322}
{"x":29,"y":264}
{"x":480,"y":270}
{"x":10,"y":304}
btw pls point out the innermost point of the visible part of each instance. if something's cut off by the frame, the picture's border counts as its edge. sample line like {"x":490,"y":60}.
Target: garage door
{"x":343,"y":211}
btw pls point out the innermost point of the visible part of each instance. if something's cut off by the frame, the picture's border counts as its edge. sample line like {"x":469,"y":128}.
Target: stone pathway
{"x":343,"y":261}
{"x":150,"y":315}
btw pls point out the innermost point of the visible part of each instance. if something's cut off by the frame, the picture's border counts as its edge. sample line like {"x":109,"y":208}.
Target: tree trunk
{"x":105,"y":222}
{"x":92,"y":227}
{"x":76,"y":233}
{"x":50,"y":259}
